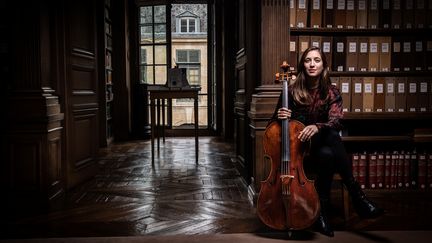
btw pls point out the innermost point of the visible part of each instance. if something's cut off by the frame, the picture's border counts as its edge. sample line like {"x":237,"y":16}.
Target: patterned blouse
{"x":324,"y":114}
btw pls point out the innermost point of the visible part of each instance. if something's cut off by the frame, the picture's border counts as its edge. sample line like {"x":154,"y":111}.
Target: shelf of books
{"x":388,"y":115}
{"x":379,"y":53}
{"x":109,"y":95}
{"x":398,"y":170}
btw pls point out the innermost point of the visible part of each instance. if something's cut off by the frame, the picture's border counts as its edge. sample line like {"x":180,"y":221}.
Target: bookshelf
{"x":388,"y":115}
{"x":367,"y":32}
{"x":107,"y":76}
{"x":379,"y":53}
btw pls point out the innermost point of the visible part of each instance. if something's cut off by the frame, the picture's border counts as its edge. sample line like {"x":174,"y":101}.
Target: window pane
{"x":183,"y":25}
{"x":159,"y":12}
{"x":146,"y":15}
{"x":193,"y":76}
{"x":160,"y":55}
{"x":160,"y":33}
{"x":161,"y":74}
{"x":182,"y":56}
{"x":190,"y":51}
{"x":146,"y":55}
{"x":146,"y":74}
{"x":191,"y":25}
{"x":194,"y":56}
{"x":146,"y":34}
{"x":143,"y":56}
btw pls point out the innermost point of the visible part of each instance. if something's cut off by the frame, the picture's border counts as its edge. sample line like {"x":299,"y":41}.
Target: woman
{"x":318,"y":105}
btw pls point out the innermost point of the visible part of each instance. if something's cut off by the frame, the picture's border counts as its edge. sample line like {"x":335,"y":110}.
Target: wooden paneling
{"x":84,"y":124}
{"x":34,"y":150}
{"x":122,"y":107}
{"x":247,"y":74}
{"x":35,"y":164}
{"x":274,"y":37}
{"x":81,"y":91}
{"x":54,"y":168}
{"x":82,"y":24}
{"x":33,"y":139}
{"x":83,"y":76}
{"x":241,"y":14}
{"x":25,"y":160}
{"x":240,"y":109}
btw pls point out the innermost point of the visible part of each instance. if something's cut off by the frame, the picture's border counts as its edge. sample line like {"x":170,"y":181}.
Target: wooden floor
{"x":130,"y":196}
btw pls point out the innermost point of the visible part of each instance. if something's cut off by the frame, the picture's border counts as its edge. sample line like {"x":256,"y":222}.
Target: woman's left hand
{"x":308,"y":132}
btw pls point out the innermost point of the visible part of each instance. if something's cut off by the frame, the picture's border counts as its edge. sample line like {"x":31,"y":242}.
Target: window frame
{"x":188,"y":64}
{"x":188,"y":25}
{"x":169,"y":53}
{"x":154,"y":44}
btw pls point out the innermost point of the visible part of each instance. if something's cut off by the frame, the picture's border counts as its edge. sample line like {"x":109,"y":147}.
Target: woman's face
{"x":313,"y":64}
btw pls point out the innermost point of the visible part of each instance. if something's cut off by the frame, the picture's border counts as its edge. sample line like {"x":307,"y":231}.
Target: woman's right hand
{"x":284,"y":113}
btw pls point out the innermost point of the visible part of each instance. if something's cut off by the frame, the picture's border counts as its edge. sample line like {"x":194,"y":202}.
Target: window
{"x":187,"y":22}
{"x":169,"y":35}
{"x":143,"y":69}
{"x":187,"y":25}
{"x":190,"y":59}
{"x":153,"y":44}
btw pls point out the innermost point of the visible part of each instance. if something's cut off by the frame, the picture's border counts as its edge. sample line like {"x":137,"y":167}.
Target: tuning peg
{"x":285,"y":66}
{"x":277,"y":78}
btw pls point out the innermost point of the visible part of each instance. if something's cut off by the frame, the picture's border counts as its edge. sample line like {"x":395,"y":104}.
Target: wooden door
{"x":81,"y":93}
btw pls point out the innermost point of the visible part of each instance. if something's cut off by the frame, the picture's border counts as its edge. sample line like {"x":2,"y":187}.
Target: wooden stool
{"x":344,"y":191}
{"x":345,"y":197}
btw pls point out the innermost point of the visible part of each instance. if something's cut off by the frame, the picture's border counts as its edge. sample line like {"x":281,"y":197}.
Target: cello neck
{"x":285,"y":76}
{"x":285,"y":149}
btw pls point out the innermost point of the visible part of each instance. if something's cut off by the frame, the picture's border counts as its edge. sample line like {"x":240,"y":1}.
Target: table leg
{"x":158,"y":125}
{"x":196,"y":127}
{"x":152,"y":115}
{"x":163,"y":120}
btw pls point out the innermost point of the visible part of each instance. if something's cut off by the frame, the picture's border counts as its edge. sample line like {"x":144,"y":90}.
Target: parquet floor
{"x":130,"y":196}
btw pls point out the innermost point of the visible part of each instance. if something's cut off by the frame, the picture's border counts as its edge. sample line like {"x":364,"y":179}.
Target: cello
{"x":287,"y":199}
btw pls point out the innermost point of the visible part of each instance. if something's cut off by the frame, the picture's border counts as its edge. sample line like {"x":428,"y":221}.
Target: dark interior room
{"x":151,"y":120}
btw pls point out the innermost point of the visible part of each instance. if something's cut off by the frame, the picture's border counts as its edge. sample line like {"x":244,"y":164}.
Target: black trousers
{"x":327,"y":155}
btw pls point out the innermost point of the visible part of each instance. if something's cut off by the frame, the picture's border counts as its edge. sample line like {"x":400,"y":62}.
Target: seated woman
{"x":318,"y":105}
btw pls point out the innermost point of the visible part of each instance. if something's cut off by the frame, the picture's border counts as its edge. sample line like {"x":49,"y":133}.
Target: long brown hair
{"x":300,"y":88}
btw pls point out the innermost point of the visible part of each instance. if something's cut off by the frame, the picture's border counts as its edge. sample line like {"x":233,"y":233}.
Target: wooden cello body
{"x":287,"y":199}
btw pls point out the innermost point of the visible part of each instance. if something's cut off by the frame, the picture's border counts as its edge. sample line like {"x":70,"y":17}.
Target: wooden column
{"x":122,"y":74}
{"x":247,"y":75}
{"x":33,"y":175}
{"x":274,"y":50}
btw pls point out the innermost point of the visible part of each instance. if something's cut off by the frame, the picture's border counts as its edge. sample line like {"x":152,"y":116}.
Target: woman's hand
{"x":308,"y":132}
{"x":284,"y":113}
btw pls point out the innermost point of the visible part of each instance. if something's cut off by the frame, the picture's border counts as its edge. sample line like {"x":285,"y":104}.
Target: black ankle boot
{"x":322,"y":224}
{"x":362,"y":205}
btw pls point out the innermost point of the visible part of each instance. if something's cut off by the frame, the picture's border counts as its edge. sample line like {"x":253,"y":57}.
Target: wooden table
{"x":160,"y":93}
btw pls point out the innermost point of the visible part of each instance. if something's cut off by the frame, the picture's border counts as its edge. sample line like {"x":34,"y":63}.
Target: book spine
{"x":406,"y":178}
{"x":362,"y":176}
{"x":380,"y":171}
{"x":422,"y":167}
{"x":429,"y":171}
{"x":387,"y":171}
{"x":373,"y":171}
{"x":355,"y":166}
{"x":414,"y":171}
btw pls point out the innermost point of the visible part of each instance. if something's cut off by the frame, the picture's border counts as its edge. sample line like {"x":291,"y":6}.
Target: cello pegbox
{"x":277,"y":78}
{"x":285,"y":75}
{"x":285,"y":66}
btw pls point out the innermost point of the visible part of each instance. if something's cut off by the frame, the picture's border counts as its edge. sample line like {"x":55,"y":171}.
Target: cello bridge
{"x":286,"y":179}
